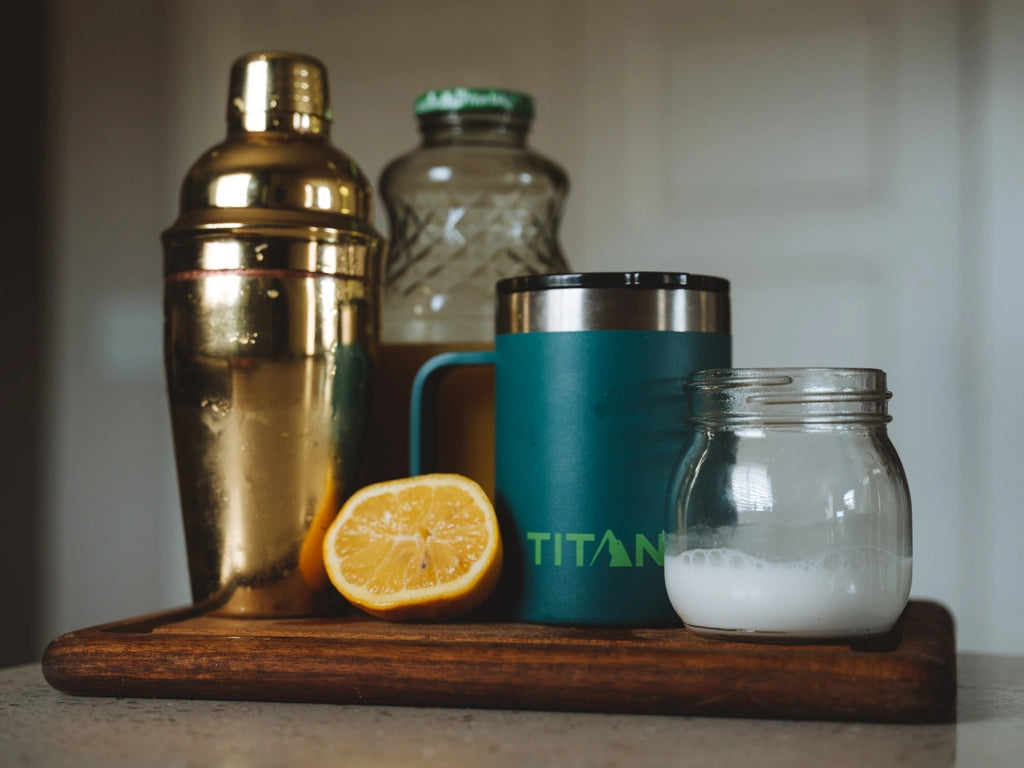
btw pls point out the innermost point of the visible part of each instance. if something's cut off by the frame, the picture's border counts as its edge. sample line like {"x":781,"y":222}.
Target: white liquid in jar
{"x":855,"y":591}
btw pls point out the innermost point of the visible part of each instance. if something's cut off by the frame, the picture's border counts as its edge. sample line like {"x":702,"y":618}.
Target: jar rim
{"x":788,"y":396}
{"x":739,"y":374}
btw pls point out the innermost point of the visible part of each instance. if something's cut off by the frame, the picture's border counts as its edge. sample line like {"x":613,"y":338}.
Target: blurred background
{"x":854,"y":167}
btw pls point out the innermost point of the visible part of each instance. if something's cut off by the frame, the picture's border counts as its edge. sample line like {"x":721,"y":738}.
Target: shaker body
{"x":268,"y":376}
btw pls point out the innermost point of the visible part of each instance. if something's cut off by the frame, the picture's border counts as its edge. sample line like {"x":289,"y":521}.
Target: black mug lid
{"x":641,"y":280}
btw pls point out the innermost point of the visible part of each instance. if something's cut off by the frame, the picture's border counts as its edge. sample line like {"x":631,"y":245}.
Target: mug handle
{"x":423,"y":404}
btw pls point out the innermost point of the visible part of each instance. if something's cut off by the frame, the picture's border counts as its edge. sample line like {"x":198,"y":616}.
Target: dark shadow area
{"x":24,"y":318}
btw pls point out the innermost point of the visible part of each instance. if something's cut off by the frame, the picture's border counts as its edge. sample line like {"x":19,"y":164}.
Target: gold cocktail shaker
{"x":271,"y":307}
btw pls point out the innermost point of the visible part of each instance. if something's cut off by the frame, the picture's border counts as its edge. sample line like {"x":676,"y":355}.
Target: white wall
{"x":993,"y":526}
{"x":852,"y":166}
{"x":114,"y":544}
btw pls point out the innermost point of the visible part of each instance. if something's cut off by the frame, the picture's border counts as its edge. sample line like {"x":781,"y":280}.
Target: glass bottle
{"x":790,"y":514}
{"x":472,"y":204}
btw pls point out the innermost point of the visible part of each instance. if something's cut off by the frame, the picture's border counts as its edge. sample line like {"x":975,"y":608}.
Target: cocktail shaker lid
{"x":277,"y":173}
{"x":277,"y":90}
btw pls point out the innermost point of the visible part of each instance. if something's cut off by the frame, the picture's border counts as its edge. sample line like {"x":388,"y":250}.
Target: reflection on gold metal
{"x":270,"y":336}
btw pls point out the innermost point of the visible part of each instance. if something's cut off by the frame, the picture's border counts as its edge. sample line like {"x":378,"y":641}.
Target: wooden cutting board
{"x":908,"y":676}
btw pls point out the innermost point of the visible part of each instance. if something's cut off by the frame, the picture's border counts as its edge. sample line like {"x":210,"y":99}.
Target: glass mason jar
{"x":789,"y":516}
{"x":471,"y":205}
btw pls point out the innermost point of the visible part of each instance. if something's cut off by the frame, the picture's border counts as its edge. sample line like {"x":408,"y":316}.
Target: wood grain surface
{"x":908,"y":676}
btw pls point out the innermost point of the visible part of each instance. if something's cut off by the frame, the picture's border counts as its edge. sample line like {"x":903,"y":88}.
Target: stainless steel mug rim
{"x":583,"y":301}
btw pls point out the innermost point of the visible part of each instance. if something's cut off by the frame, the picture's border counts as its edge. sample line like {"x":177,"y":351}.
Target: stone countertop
{"x":40,"y":726}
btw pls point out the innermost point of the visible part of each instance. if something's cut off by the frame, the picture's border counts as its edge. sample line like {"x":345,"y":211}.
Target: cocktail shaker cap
{"x":277,"y":90}
{"x":277,"y":183}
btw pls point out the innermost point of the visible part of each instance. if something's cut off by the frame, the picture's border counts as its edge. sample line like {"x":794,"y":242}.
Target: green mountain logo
{"x":618,"y":556}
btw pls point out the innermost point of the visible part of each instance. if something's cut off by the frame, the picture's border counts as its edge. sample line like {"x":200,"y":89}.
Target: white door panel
{"x":809,"y":152}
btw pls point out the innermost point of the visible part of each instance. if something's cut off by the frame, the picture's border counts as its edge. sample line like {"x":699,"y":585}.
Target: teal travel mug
{"x":590,"y":421}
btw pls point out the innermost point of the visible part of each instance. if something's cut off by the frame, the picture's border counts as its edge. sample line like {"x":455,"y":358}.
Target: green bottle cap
{"x":475,"y":100}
